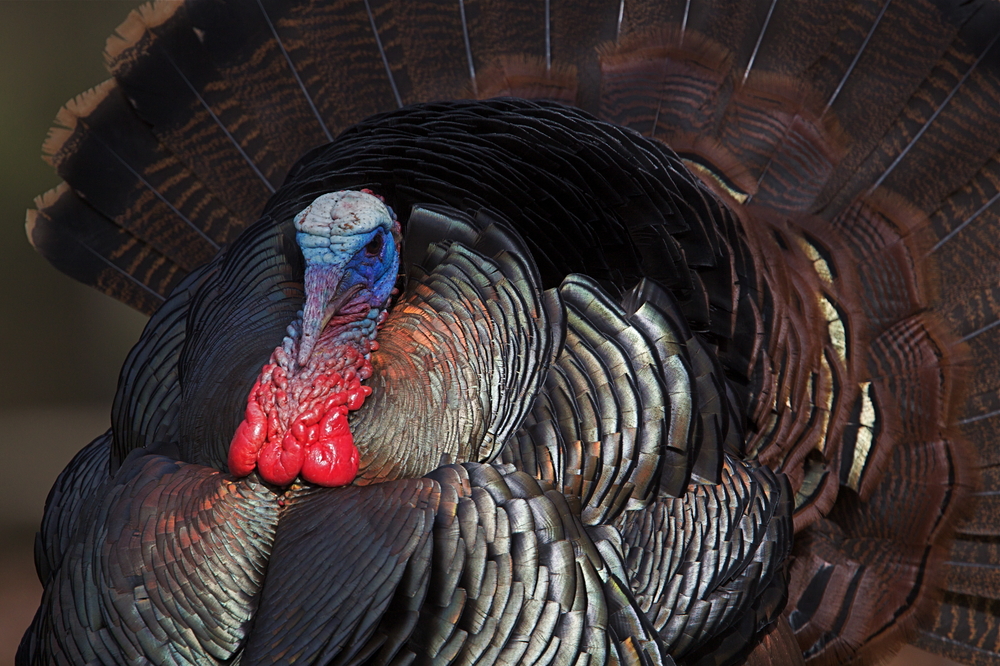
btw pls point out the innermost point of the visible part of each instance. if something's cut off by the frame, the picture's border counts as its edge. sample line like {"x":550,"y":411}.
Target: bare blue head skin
{"x":351,"y":264}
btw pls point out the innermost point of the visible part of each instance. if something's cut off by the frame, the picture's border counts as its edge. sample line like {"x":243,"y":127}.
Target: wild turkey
{"x":628,"y":402}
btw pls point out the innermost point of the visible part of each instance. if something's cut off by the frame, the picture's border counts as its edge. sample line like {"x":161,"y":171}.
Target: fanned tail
{"x":875,"y":167}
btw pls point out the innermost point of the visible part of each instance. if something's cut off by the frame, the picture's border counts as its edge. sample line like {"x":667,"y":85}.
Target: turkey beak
{"x":322,"y":281}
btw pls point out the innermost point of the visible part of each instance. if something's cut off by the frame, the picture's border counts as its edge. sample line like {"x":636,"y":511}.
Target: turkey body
{"x":677,"y":371}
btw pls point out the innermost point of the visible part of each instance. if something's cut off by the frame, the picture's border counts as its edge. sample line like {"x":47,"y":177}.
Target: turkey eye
{"x":374,"y":245}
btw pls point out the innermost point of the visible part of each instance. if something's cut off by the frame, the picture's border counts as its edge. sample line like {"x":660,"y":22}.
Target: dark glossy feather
{"x":166,"y":560}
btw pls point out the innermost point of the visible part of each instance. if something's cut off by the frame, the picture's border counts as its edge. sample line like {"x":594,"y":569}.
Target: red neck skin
{"x":295,"y":423}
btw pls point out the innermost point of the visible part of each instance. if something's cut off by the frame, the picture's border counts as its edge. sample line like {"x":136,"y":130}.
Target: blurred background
{"x":61,"y":344}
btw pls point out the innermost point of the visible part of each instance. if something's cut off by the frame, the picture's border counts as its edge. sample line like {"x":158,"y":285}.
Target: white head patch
{"x":336,"y":225}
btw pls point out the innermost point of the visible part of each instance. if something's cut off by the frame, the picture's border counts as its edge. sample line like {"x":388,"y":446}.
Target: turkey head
{"x":296,"y":415}
{"x":255,"y":361}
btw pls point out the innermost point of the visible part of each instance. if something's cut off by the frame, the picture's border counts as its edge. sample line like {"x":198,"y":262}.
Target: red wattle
{"x":331,"y":459}
{"x":242,"y":452}
{"x":296,"y":424}
{"x":280,"y":462}
{"x":249,"y":437}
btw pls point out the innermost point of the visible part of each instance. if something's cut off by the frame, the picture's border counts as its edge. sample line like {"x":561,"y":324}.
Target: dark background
{"x":61,"y":344}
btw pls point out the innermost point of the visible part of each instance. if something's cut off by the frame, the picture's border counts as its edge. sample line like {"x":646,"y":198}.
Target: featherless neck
{"x":295,"y":423}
